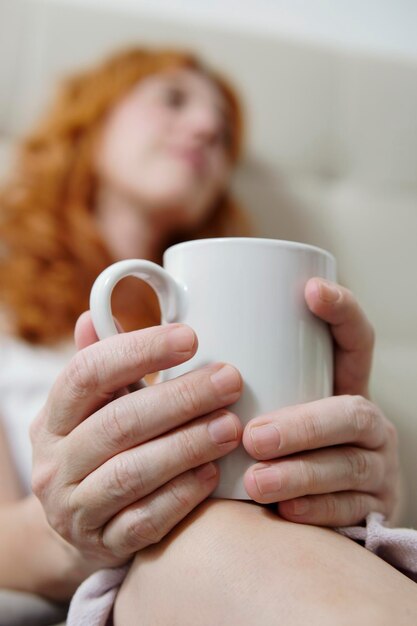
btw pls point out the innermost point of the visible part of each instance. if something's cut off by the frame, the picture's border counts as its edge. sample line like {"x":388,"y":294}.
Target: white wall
{"x":378,"y":26}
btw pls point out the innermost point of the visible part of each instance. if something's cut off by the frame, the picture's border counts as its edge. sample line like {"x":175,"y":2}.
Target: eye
{"x":174,"y":97}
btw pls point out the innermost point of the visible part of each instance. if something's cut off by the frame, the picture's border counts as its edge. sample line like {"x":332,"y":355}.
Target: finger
{"x":313,"y":425}
{"x":84,"y":332}
{"x":97,"y":372}
{"x":143,"y":415}
{"x":85,"y":335}
{"x":345,"y":508}
{"x":351,"y":330}
{"x":135,"y":473}
{"x":325,"y":471}
{"x":149,"y":520}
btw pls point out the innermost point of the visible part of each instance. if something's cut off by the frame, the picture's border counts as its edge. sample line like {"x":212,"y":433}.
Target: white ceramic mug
{"x":244,"y":297}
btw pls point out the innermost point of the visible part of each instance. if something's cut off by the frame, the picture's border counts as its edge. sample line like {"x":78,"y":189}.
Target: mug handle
{"x":170,"y":294}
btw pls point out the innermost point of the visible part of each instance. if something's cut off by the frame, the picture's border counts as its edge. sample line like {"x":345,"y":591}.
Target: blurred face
{"x":165,"y":146}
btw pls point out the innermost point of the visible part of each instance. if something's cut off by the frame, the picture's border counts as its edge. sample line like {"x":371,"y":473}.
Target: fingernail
{"x":223,"y":429}
{"x":227,"y":382}
{"x":206,"y":472}
{"x":329,"y":292}
{"x":181,"y":339}
{"x":265,"y":438}
{"x":267,"y":479}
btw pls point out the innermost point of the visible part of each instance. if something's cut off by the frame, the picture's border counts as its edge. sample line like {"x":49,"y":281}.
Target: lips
{"x":195,"y":157}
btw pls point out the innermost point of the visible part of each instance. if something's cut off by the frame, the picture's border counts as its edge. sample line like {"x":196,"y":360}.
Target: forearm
{"x":33,"y":557}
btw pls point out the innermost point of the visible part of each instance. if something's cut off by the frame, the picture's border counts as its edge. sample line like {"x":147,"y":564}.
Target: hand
{"x":36,"y":559}
{"x":332,"y":461}
{"x":116,"y":472}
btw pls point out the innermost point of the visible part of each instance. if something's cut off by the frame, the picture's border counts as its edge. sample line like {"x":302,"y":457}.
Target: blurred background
{"x":330,"y":92}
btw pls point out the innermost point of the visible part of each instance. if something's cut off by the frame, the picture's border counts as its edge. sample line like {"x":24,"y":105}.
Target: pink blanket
{"x":93,"y":602}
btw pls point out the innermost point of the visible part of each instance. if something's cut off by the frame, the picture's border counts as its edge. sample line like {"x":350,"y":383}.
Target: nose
{"x":204,"y":123}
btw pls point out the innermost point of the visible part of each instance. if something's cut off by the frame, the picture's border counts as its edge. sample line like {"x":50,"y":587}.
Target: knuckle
{"x":82,"y":376}
{"x":359,"y":466}
{"x":363,"y":415}
{"x":359,"y":507}
{"x":42,"y":479}
{"x":75,"y":509}
{"x":187,"y":395}
{"x":147,"y":345}
{"x":75,"y":525}
{"x":310,"y":475}
{"x":114,"y":425}
{"x":58,"y":519}
{"x":190,"y":449}
{"x":142,"y":530}
{"x":126,"y":478}
{"x":332,"y":507}
{"x":310,"y":431}
{"x":181,"y":496}
{"x":140,"y":349}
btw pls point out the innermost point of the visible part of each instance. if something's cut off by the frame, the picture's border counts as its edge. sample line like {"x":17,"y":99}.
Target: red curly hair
{"x":51,"y":250}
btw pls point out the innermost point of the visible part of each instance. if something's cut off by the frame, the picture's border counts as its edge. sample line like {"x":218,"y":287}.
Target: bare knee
{"x":231,"y":558}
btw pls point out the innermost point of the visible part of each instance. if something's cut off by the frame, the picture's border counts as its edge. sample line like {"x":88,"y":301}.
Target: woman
{"x":137,"y":155}
{"x":58,"y":230}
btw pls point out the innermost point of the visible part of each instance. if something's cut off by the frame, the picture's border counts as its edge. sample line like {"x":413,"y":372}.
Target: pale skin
{"x":290,"y":559}
{"x":139,"y":456}
{"x":129,"y":431}
{"x":173,"y":130}
{"x":230,"y":562}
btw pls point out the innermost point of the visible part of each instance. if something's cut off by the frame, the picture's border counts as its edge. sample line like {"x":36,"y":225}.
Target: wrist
{"x":54,"y":567}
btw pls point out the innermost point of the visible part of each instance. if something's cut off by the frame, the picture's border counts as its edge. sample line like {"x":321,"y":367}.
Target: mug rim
{"x":252,"y":240}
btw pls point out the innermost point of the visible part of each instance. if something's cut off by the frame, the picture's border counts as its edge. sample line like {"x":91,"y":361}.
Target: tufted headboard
{"x":331,"y":154}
